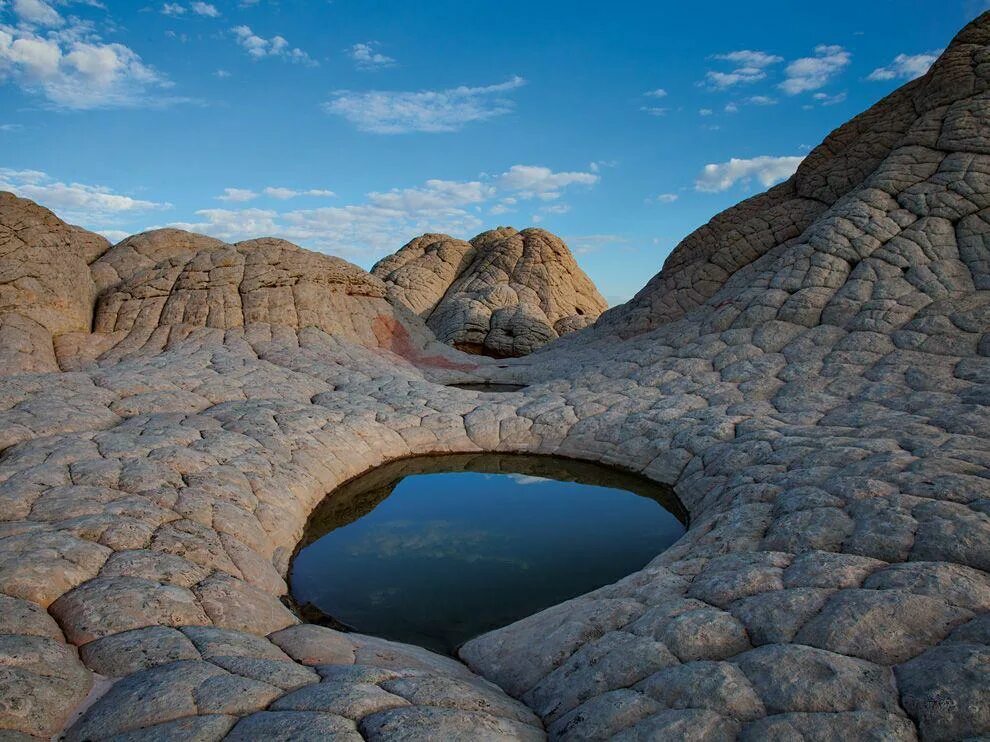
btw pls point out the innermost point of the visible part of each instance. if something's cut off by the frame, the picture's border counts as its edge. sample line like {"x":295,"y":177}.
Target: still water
{"x":434,"y":551}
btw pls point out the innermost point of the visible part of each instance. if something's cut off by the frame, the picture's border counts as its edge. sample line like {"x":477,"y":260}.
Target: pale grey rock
{"x":425,"y":723}
{"x":121,"y":654}
{"x":946,"y":691}
{"x":299,"y":726}
{"x":883,"y":626}
{"x":719,"y":686}
{"x":798,"y":678}
{"x":688,"y":724}
{"x":872,"y":726}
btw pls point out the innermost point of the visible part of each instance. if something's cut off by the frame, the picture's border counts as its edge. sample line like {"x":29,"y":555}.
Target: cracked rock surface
{"x":810,"y":371}
{"x":503,"y":294}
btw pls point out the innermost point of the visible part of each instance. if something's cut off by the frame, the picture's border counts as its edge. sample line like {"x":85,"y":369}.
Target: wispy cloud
{"x":277,"y":47}
{"x":400,"y":112}
{"x":717,"y":177}
{"x":205,"y":9}
{"x":386,"y":219}
{"x":365,"y":57}
{"x":284,"y":194}
{"x":237,"y":195}
{"x":749,"y":66}
{"x":812,"y":73}
{"x":535,"y":181}
{"x":906,"y":66}
{"x":68,"y":64}
{"x":73,"y":201}
{"x":243,"y":195}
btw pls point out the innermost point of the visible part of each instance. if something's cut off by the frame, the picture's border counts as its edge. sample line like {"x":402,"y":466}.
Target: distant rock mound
{"x":145,"y":250}
{"x":420,"y":273}
{"x":503,"y":294}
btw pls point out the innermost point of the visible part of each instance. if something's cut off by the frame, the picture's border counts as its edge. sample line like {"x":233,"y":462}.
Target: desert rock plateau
{"x":810,"y":371}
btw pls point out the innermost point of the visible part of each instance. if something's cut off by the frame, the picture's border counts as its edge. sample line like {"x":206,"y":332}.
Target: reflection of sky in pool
{"x":449,"y":556}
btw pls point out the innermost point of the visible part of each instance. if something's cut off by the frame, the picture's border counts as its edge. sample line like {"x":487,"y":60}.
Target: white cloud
{"x":597,"y":165}
{"x":72,"y":201}
{"x":665,"y":198}
{"x":114,"y":235}
{"x":705,"y":112}
{"x":366,"y":58}
{"x":655,"y":110}
{"x":658,"y":93}
{"x":812,"y":73}
{"x":718,"y":177}
{"x":587,"y":243}
{"x":205,"y":9}
{"x":750,"y":66}
{"x":237,"y":195}
{"x":387,"y":219}
{"x":38,"y":13}
{"x":8,"y":128}
{"x":906,"y":66}
{"x":531,"y":181}
{"x":761,"y":100}
{"x":174,"y":9}
{"x":74,"y":69}
{"x":284,"y":194}
{"x":750,"y":58}
{"x":222,"y":74}
{"x":399,"y":112}
{"x":259,"y":47}
{"x":731,"y":108}
{"x":829,"y":100}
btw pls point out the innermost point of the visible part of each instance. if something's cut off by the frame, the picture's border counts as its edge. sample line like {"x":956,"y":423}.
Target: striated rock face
{"x":810,"y":372}
{"x":45,"y":283}
{"x":504,"y":294}
{"x":420,"y":273}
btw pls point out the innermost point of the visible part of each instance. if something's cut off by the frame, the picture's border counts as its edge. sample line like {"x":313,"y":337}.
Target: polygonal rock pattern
{"x":503,"y":294}
{"x":811,"y":371}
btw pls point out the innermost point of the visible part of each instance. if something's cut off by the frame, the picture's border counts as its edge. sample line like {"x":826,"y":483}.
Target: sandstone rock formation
{"x":45,"y":283}
{"x":504,"y":294}
{"x":811,"y":372}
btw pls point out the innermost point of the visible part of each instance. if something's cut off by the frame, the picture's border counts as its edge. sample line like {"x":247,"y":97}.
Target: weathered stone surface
{"x":810,"y":371}
{"x":505,"y":293}
{"x":797,"y":678}
{"x":304,"y":726}
{"x":883,"y":626}
{"x":421,"y":723}
{"x":946,"y":691}
{"x":874,"y":726}
{"x":45,"y":285}
{"x":121,"y":654}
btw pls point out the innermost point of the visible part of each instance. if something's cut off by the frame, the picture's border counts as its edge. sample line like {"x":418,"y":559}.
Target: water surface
{"x":415,"y":555}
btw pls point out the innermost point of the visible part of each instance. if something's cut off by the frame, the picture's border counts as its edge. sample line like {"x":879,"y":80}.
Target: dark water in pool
{"x":434,"y":559}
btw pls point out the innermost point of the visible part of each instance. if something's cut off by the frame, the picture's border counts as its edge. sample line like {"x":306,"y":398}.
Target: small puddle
{"x":484,"y":386}
{"x":436,"y":550}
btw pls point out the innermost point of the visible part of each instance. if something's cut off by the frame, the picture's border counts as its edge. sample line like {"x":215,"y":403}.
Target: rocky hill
{"x":503,"y":294}
{"x":810,"y":371}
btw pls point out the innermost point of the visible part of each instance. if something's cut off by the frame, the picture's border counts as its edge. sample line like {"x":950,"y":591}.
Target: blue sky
{"x":351,"y":126}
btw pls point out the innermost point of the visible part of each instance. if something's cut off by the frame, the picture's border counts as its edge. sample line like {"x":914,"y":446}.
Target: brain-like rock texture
{"x":504,"y":293}
{"x":810,"y":372}
{"x":146,"y":250}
